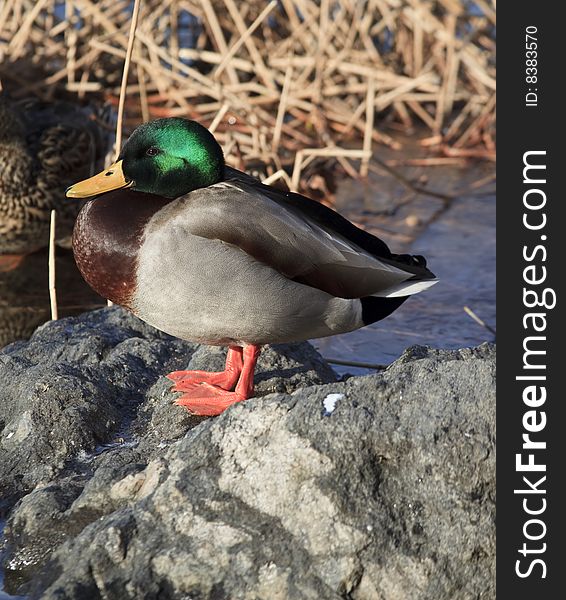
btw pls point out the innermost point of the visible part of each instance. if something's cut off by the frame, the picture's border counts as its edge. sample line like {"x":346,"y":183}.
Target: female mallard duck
{"x":209,"y":254}
{"x":44,"y":147}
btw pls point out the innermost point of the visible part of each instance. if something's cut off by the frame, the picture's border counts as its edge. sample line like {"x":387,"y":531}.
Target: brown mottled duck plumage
{"x":44,"y":148}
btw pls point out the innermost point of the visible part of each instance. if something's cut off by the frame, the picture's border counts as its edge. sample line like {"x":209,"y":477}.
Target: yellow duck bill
{"x":112,"y":178}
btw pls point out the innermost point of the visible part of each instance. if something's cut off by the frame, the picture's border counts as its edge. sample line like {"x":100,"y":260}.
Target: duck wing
{"x":302,"y":239}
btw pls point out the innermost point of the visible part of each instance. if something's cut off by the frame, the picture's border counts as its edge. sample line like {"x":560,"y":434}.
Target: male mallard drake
{"x":209,"y":254}
{"x":44,"y":147}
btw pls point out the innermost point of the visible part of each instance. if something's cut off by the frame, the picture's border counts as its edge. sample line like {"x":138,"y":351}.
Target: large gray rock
{"x":74,"y":385}
{"x":82,"y":383}
{"x":379,"y":487}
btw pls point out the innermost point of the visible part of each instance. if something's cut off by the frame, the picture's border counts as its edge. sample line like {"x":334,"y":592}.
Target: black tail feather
{"x":374,"y":309}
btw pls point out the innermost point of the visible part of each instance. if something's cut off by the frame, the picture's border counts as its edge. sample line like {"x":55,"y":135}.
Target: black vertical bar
{"x":531,"y":259}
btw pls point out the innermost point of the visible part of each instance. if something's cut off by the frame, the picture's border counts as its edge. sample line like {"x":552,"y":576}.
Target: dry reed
{"x":283,"y":85}
{"x":51,"y":268}
{"x":478,"y":320}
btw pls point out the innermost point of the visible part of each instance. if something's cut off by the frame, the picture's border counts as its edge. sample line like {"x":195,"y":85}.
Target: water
{"x":24,"y":294}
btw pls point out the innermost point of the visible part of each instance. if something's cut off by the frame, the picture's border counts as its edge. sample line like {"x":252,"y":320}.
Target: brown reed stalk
{"x":124,"y":86}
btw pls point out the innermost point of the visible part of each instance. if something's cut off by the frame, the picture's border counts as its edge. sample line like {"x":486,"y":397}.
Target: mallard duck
{"x":209,"y":254}
{"x":44,"y":147}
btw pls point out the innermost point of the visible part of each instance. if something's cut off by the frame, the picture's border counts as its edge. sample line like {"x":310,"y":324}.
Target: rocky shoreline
{"x":377,"y":487}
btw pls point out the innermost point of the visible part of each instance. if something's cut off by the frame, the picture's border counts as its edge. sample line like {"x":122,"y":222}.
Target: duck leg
{"x":211,"y":400}
{"x":227,"y":379}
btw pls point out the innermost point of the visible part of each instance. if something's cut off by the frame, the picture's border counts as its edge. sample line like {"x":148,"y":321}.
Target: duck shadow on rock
{"x":280,"y":367}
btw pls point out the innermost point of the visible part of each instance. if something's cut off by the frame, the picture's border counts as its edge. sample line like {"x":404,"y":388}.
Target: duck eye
{"x":152,"y":151}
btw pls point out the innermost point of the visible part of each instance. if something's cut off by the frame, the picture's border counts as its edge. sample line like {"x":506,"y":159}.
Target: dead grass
{"x":284,"y":85}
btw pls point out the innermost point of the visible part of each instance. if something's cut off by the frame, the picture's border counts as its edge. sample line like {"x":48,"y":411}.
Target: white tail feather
{"x":406,"y":288}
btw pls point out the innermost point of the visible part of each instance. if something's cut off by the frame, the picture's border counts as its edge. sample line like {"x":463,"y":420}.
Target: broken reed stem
{"x":281,"y":174}
{"x":133,"y":26}
{"x":353,"y":363}
{"x":310,"y":153}
{"x":51,"y":266}
{"x":281,"y":109}
{"x":243,"y":39}
{"x":479,"y":321}
{"x":218,"y":118}
{"x":370,"y":113}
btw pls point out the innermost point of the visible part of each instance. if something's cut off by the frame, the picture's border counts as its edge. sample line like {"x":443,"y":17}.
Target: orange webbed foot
{"x":226,"y":380}
{"x":209,"y":394}
{"x":187,"y":380}
{"x":208,"y":400}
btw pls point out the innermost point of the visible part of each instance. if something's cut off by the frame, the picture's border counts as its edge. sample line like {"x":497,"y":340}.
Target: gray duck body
{"x":239,"y":263}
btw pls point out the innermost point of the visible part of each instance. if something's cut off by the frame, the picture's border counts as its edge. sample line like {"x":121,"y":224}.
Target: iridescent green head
{"x":167,"y":157}
{"x":171,"y":157}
